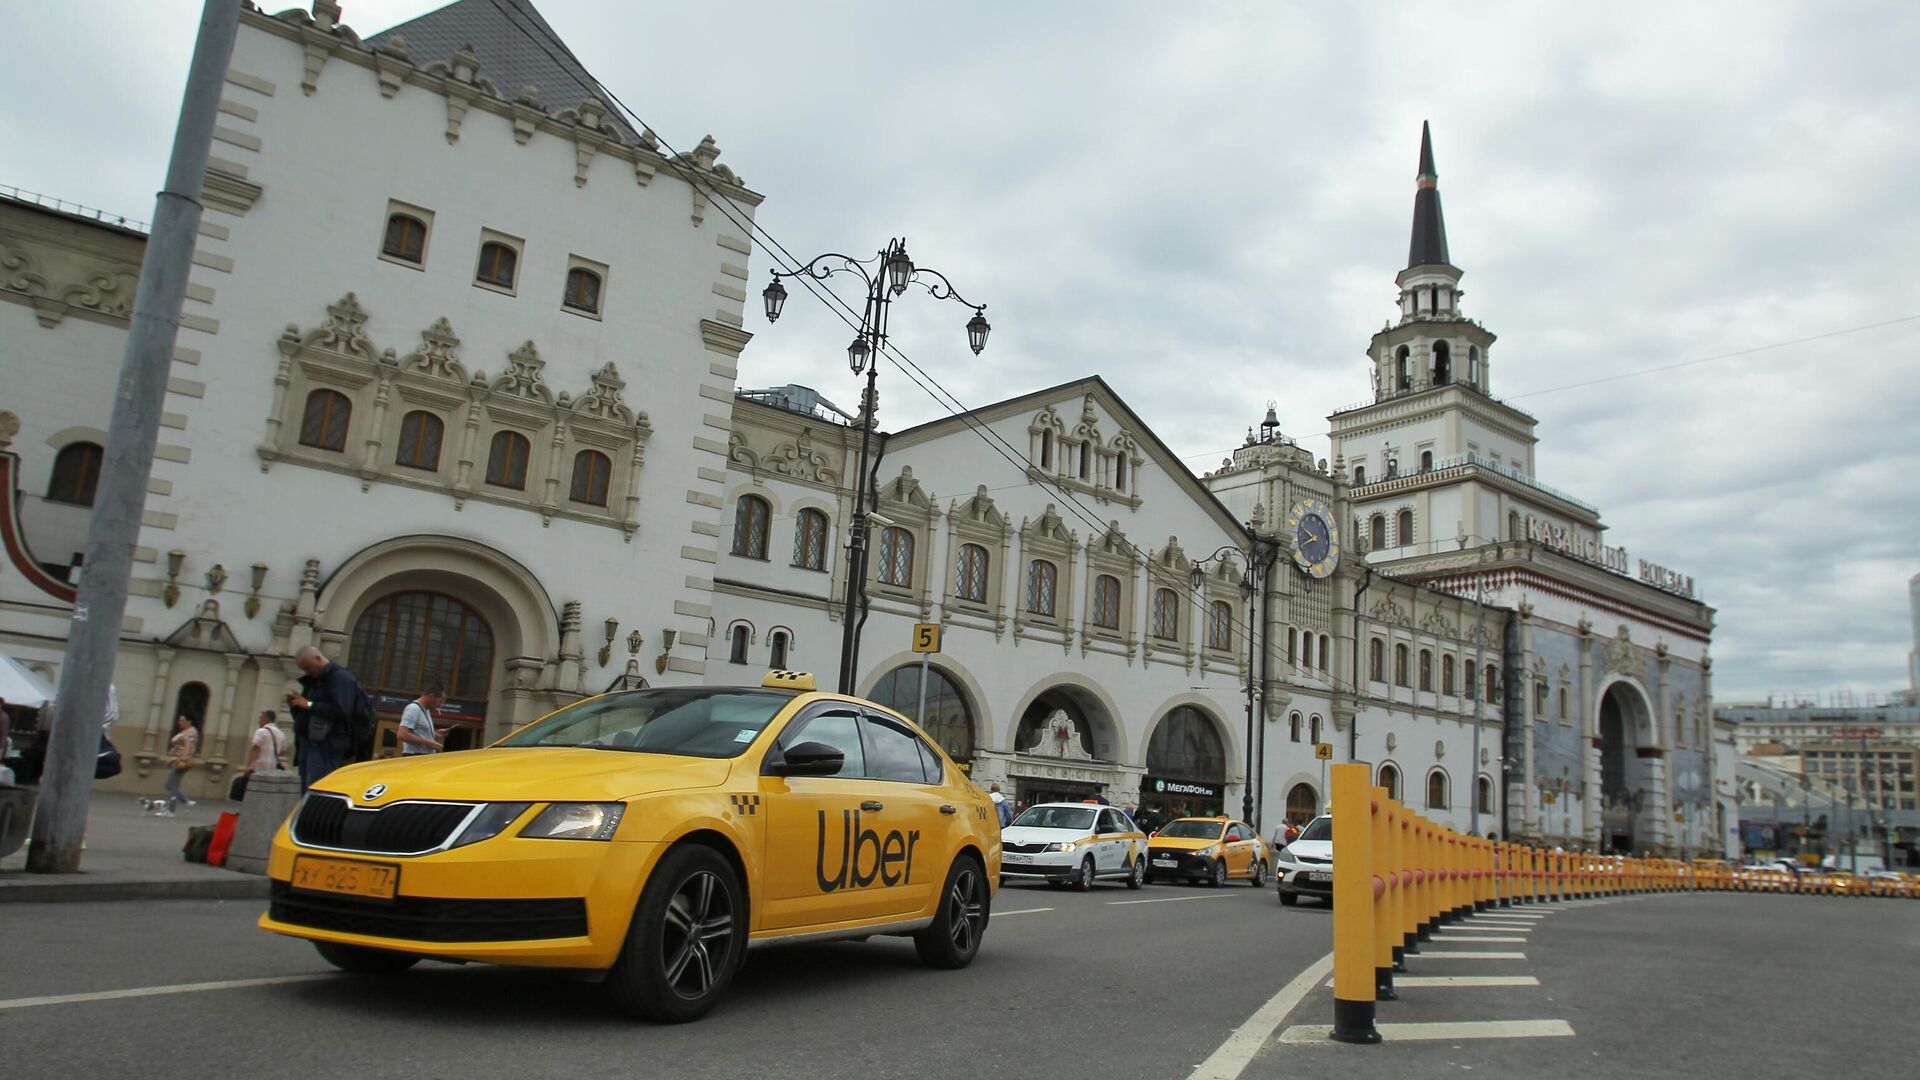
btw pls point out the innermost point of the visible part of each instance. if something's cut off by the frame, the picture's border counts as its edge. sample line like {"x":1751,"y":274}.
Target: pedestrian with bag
{"x":1002,"y":806}
{"x":417,"y":734}
{"x":182,"y":750}
{"x":332,"y":716}
{"x":266,"y":750}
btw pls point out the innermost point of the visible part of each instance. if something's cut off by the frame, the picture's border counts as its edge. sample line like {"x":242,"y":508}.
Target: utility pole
{"x":93,"y":637}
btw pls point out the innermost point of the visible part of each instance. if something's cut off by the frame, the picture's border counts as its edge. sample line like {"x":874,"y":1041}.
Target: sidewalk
{"x":131,"y":855}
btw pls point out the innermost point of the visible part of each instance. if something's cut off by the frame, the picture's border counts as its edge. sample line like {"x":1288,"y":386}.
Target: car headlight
{"x":576,"y":821}
{"x":1208,"y":853}
{"x":490,"y":822}
{"x":1066,"y":845}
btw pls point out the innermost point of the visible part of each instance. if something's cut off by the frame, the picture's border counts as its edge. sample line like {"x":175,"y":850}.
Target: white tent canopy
{"x":20,"y":686}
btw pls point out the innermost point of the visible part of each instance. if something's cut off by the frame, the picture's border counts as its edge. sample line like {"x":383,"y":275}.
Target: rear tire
{"x":1137,"y":876}
{"x":685,"y":944}
{"x":1083,"y":881}
{"x":364,"y":961}
{"x":953,"y":939}
{"x":1288,"y":899}
{"x":1259,"y":874}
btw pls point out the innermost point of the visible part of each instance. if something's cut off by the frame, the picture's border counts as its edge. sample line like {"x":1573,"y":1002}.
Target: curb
{"x":57,"y":891}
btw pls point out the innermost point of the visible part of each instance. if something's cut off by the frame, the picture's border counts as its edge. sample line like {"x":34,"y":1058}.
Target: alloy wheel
{"x":694,"y":936}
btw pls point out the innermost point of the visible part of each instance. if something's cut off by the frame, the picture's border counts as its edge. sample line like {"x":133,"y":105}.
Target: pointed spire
{"x":1429,"y":244}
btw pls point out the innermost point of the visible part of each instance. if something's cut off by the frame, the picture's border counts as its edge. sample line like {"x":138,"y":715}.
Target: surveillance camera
{"x":879,"y":521}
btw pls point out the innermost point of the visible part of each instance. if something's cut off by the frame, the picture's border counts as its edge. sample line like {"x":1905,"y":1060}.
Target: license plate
{"x":377,"y":881}
{"x":1016,"y":858}
{"x":1165,"y":860}
{"x":1319,"y":877}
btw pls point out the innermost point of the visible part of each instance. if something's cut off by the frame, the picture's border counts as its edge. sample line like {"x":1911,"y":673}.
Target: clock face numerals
{"x":1316,"y":539}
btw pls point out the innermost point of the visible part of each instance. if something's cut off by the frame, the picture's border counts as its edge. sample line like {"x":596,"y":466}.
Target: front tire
{"x":1259,"y":874}
{"x":1288,"y":899}
{"x":953,"y":939}
{"x":1083,"y":881}
{"x":1138,"y":875}
{"x":363,"y":961}
{"x":685,"y":944}
{"x":1219,"y":876}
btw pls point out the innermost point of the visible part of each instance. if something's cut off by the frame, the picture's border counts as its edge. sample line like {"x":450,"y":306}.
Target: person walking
{"x":1002,"y":806}
{"x":331,"y":715}
{"x":417,"y":734}
{"x":267,"y":747}
{"x":181,"y":750}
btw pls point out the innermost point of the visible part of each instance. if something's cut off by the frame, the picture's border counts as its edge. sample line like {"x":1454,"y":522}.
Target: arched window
{"x":1437,"y":790}
{"x":1325,"y":642}
{"x":1442,"y":363}
{"x":1426,"y":461}
{"x":1042,"y":581}
{"x":1493,"y":681}
{"x":1377,"y":533}
{"x":1560,"y":713}
{"x":896,"y":557}
{"x":777,"y":650}
{"x":752,"y":519}
{"x":192,"y":703}
{"x":1376,"y":660}
{"x":1426,"y":669}
{"x":76,"y":474}
{"x":583,"y":291}
{"x":1486,"y":795}
{"x":507,"y":460}
{"x":1046,"y":449}
{"x":1220,"y":626}
{"x":1390,"y":779}
{"x":1513,"y":524}
{"x":410,"y":639}
{"x":1166,"y":615}
{"x":1400,"y":665}
{"x":1106,"y":602}
{"x":1306,"y":649}
{"x":970,"y":574}
{"x":810,"y":540}
{"x":1303,"y":804}
{"x":1086,"y":454}
{"x":497,"y":264}
{"x":737,"y":645}
{"x":1120,"y":472}
{"x":1405,"y":358}
{"x":1446,"y":675}
{"x":1540,"y":700}
{"x":1467,"y":670}
{"x":1473,"y":365}
{"x":591,"y":470}
{"x":406,"y":239}
{"x":1405,"y":537}
{"x":948,"y":719}
{"x":1313,"y":729}
{"x":1359,"y":476}
{"x":1293,"y":647}
{"x":420,"y":435}
{"x":1293,"y":727}
{"x":1186,"y":745}
{"x":323,"y":425}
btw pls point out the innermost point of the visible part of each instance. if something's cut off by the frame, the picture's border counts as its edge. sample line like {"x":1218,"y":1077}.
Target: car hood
{"x":1317,"y":849}
{"x":1181,"y":843}
{"x":526,"y":774}
{"x":1027,"y":834}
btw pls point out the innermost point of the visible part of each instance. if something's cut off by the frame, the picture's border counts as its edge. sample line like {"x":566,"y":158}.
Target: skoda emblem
{"x":373,"y":792}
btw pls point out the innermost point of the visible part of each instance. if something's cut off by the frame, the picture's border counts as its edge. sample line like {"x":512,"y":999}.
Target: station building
{"x":456,"y":398}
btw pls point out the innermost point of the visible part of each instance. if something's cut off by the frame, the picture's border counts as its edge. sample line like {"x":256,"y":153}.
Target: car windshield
{"x":1317,"y":829}
{"x":693,"y":722}
{"x":1056,"y":817}
{"x":1192,"y":829}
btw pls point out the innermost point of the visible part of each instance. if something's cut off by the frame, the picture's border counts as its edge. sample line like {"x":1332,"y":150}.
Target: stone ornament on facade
{"x":58,"y":281}
{"x":1387,"y":611}
{"x":1058,"y":737}
{"x":1436,"y":624}
{"x":1622,"y":658}
{"x":800,"y":460}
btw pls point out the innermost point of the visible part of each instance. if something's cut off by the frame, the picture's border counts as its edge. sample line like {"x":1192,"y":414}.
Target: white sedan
{"x":1073,"y":843}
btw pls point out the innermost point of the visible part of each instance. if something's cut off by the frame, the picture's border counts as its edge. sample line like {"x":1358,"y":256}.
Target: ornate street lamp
{"x":887,"y":275}
{"x":1258,"y":558}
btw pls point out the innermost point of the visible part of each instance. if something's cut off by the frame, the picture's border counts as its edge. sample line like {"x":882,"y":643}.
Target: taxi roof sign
{"x":788,"y":680}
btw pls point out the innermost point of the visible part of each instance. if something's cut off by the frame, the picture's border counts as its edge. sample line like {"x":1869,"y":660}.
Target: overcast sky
{"x":1206,"y":204}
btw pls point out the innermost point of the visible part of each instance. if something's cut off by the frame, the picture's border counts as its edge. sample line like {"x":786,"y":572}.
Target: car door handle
{"x":949,"y":810}
{"x":872,"y":804}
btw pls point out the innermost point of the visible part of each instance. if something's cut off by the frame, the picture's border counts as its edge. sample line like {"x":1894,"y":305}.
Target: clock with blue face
{"x":1316,"y":539}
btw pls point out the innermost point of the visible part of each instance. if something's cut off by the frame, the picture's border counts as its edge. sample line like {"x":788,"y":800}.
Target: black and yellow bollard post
{"x":1353,"y":901}
{"x":1399,"y":899}
{"x":1384,"y":877}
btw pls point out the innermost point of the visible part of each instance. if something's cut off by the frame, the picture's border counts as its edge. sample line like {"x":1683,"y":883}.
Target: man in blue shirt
{"x":331,"y":715}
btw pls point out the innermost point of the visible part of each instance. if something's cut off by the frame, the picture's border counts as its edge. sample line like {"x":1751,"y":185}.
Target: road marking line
{"x":1497,"y":924}
{"x":1533,"y":915}
{"x":1307,"y":1034}
{"x":1171,"y":899}
{"x":157,"y":991}
{"x":1249,"y":1038}
{"x":1482,"y":939}
{"x":1460,"y":980}
{"x":1425,"y":955}
{"x":1022,"y":911}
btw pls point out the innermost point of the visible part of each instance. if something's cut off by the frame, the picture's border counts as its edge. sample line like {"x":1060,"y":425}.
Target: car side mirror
{"x":808,"y":759}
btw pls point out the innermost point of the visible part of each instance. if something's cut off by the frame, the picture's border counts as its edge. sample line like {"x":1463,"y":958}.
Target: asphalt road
{"x":1066,"y":985}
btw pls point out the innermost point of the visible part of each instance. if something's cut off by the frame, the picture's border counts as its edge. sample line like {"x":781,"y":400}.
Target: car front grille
{"x":430,"y":919}
{"x":1024,"y":849}
{"x":327,"y":820}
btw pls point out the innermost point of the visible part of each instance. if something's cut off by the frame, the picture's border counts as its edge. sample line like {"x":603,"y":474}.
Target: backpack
{"x":1006,"y":812}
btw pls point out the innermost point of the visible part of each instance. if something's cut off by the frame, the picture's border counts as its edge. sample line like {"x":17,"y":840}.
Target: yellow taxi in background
{"x":651,"y":834}
{"x":1209,"y":849}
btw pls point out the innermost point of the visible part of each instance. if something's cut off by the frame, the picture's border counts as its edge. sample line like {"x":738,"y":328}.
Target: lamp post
{"x":1258,"y":557}
{"x":887,"y":276}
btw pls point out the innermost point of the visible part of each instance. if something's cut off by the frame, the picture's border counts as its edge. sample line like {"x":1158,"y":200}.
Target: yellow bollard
{"x":1385,"y":877}
{"x":1400,"y":896}
{"x":1353,"y":901}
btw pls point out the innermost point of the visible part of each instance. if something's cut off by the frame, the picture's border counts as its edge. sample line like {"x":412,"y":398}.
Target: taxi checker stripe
{"x":745,"y":804}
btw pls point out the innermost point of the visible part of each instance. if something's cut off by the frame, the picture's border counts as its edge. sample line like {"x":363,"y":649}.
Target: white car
{"x":1305,"y":867}
{"x":1073,"y":843}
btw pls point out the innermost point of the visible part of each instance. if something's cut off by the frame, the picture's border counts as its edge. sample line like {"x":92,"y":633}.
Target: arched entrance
{"x":408,"y":641}
{"x":948,"y":717}
{"x":1186,"y":764}
{"x":1066,"y":747}
{"x":1303,"y":804}
{"x":1626,"y":723}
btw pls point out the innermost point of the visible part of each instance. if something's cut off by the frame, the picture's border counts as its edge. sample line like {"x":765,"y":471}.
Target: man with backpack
{"x":332,"y":716}
{"x":1001,"y":805}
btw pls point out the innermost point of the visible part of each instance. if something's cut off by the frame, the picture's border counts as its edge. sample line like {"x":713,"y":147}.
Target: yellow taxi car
{"x":652,"y":835}
{"x":1209,"y":849}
